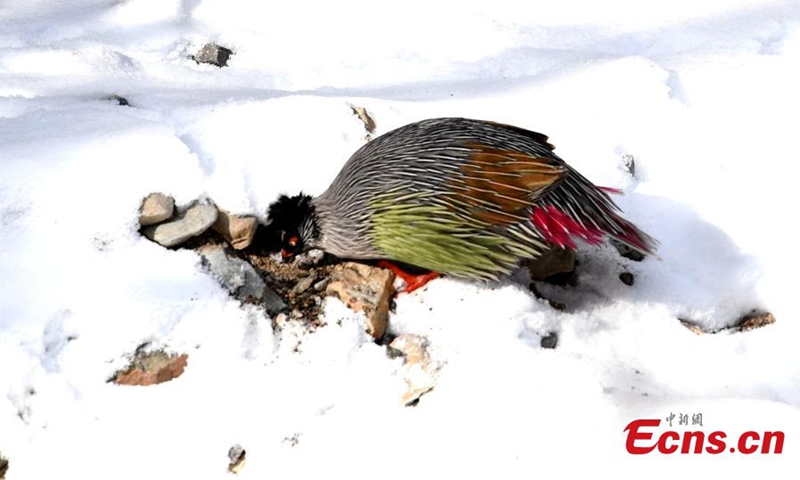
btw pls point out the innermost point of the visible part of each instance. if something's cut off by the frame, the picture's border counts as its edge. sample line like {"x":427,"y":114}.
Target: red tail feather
{"x":612,"y":190}
{"x":558,"y":228}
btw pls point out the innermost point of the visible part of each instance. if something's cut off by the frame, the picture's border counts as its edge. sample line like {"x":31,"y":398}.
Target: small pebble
{"x":236,"y":455}
{"x":303,"y":284}
{"x":550,"y":340}
{"x":628,"y":252}
{"x":626,"y":278}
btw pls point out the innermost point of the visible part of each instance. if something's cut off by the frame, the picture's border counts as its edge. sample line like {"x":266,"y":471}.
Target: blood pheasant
{"x":461,"y":197}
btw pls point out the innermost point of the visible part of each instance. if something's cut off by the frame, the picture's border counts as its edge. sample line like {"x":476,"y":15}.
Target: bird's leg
{"x":413,"y":280}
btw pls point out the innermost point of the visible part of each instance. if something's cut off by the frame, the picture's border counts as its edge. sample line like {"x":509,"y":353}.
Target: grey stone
{"x":194,"y":221}
{"x":240,"y":278}
{"x":213,"y":54}
{"x":628,"y":252}
{"x":155,"y":208}
{"x":237,"y":456}
{"x":121,"y":101}
{"x":303,"y":284}
{"x":629,"y":164}
{"x":550,"y":340}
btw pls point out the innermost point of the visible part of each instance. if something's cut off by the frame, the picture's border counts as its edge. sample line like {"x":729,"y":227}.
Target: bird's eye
{"x":293,"y":241}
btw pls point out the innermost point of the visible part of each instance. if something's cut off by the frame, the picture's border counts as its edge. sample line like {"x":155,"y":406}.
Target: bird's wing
{"x":498,"y":186}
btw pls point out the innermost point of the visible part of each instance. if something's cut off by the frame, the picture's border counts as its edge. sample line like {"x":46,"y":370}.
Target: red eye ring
{"x":293,"y":241}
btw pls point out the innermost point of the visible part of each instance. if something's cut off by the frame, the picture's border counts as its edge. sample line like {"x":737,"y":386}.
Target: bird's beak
{"x":286,"y":255}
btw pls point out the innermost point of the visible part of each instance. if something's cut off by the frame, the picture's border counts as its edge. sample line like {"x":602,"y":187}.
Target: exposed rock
{"x":240,"y":278}
{"x":155,"y":208}
{"x":190,"y":223}
{"x":281,"y":319}
{"x":749,"y":322}
{"x":626,"y":278}
{"x":364,"y":289}
{"x":550,"y":340}
{"x":235,"y":229}
{"x":554,"y":261}
{"x":695,"y":328}
{"x":629,"y":164}
{"x":419,"y":372}
{"x":237,"y":456}
{"x":628,"y":252}
{"x":756,"y":320}
{"x":310,"y":258}
{"x":302,"y":285}
{"x":366,"y":119}
{"x":121,"y":101}
{"x":151,"y":369}
{"x":3,"y":466}
{"x":283,"y":278}
{"x":213,"y":54}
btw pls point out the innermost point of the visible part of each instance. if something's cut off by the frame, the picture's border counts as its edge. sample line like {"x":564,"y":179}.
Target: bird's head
{"x":294,"y":221}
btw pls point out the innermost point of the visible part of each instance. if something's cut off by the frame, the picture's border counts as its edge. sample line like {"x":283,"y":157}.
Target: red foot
{"x":413,"y":281}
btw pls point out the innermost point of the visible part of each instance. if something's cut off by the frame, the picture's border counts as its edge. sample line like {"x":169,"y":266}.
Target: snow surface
{"x":703,"y":95}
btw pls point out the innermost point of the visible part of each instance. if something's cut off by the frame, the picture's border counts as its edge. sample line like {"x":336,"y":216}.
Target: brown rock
{"x":364,"y":289}
{"x":155,"y":208}
{"x":363,"y":115}
{"x":756,"y":320}
{"x":554,"y":261}
{"x":151,"y":369}
{"x":235,"y":229}
{"x":695,"y":328}
{"x":3,"y":467}
{"x":419,"y":371}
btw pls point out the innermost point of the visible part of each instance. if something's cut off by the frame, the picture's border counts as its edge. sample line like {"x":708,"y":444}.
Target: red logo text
{"x":642,"y":439}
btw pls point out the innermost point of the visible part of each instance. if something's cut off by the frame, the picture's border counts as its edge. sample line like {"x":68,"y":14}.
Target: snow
{"x":702,"y":94}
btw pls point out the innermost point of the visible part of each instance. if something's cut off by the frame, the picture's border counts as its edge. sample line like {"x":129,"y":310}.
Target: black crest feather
{"x":286,"y":213}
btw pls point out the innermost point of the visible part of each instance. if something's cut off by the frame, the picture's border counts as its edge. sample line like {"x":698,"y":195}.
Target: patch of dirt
{"x":300,"y":282}
{"x":309,"y":270}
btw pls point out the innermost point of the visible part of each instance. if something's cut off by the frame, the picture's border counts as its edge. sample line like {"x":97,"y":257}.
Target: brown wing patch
{"x":499,"y":184}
